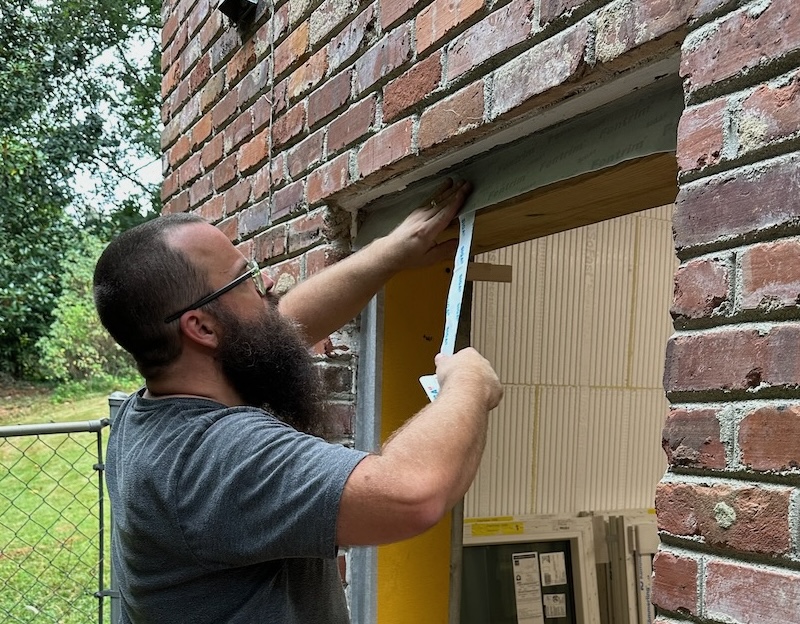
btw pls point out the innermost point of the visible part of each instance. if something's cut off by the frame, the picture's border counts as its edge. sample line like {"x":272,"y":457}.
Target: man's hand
{"x":469,"y":373}
{"x":413,"y":243}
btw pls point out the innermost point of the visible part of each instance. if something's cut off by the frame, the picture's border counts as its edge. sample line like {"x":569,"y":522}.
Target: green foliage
{"x":80,"y":95}
{"x":77,"y":348}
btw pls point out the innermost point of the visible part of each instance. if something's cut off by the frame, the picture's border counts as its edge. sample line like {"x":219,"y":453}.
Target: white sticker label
{"x":527,"y":590}
{"x":555,"y":605}
{"x":554,"y":569}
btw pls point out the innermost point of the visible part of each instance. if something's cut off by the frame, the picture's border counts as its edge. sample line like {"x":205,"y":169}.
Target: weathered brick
{"x":388,"y":146}
{"x":359,"y":33}
{"x":305,"y":154}
{"x":286,"y":274}
{"x":441,"y":18}
{"x":200,"y":190}
{"x":212,"y":152}
{"x":769,"y":115}
{"x":224,"y":173}
{"x":169,"y":186}
{"x":332,"y":95}
{"x":675,"y":583}
{"x":270,"y":244}
{"x":241,"y":62}
{"x":455,"y":115}
{"x":289,"y":125}
{"x":213,"y":209}
{"x":230,"y":227}
{"x":200,"y":73}
{"x":755,"y":359}
{"x":178,"y":203}
{"x":237,"y":196}
{"x":754,"y":35}
{"x":328,"y":16}
{"x":292,"y":49}
{"x":337,"y":378}
{"x":254,"y":84}
{"x":352,"y":124}
{"x":552,"y":9}
{"x":322,"y":257}
{"x":771,"y":275}
{"x":190,"y":170}
{"x":225,"y":109}
{"x":339,"y":418}
{"x":309,"y":74}
{"x":737,"y":592}
{"x":545,"y":66}
{"x":412,"y":87}
{"x":287,"y":200}
{"x":701,"y":135}
{"x":692,"y":439}
{"x":391,"y":52}
{"x":201,"y":131}
{"x":254,"y":153}
{"x":747,"y":519}
{"x":494,"y":34}
{"x":701,"y":287}
{"x":253,"y":218}
{"x":306,"y":231}
{"x":722,"y":207}
{"x":329,"y":178}
{"x":180,"y":151}
{"x":240,"y":130}
{"x":393,"y":10}
{"x":210,"y":93}
{"x":224,"y":46}
{"x":623,"y":25}
{"x":769,"y":438}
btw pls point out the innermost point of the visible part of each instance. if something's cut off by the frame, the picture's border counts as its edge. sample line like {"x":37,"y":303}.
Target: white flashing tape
{"x":455,"y":296}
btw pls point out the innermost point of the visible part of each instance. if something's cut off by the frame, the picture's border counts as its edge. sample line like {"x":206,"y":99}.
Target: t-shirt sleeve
{"x":255,"y":489}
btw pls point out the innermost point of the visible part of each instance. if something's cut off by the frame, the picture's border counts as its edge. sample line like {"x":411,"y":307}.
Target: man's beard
{"x":267,"y":363}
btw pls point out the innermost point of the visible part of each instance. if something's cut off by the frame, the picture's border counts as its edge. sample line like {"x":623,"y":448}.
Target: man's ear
{"x":201,"y":328}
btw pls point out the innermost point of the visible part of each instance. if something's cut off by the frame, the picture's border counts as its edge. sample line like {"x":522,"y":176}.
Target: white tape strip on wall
{"x":455,"y":296}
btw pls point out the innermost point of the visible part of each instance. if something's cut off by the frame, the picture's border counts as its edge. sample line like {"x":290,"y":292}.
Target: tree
{"x":80,"y":94}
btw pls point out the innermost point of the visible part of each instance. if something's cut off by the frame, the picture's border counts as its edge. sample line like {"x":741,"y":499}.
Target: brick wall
{"x":728,"y":505}
{"x":266,"y":127}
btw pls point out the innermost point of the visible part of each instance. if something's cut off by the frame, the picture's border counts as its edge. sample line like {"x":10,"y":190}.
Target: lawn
{"x":49,"y":511}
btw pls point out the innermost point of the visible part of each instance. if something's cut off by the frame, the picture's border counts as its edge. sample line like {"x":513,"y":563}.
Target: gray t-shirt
{"x":223,"y":515}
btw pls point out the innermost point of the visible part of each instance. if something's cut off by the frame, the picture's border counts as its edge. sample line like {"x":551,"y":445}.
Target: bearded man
{"x":226,"y":506}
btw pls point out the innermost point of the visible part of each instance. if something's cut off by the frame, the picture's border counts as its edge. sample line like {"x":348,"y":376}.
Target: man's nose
{"x":268,"y":281}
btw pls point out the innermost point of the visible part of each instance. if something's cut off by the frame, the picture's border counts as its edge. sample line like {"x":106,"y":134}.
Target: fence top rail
{"x":85,"y":426}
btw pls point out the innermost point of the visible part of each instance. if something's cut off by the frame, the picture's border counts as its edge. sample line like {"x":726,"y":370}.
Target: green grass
{"x":49,"y":526}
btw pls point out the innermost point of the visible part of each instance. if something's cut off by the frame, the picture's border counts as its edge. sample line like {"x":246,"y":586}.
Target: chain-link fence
{"x":54,"y":561}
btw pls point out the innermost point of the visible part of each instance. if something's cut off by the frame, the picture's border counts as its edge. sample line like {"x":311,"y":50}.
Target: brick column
{"x":727,"y":506}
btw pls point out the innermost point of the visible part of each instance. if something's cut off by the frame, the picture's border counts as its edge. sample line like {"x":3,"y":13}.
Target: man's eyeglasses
{"x":252,"y":272}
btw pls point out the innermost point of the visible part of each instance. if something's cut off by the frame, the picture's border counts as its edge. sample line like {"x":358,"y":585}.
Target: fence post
{"x":115,"y":400}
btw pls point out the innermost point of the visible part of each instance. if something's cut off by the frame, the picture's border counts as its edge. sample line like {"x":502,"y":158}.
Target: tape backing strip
{"x":455,"y":297}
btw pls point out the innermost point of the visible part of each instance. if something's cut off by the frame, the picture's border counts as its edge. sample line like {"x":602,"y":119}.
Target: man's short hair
{"x":139,"y":280}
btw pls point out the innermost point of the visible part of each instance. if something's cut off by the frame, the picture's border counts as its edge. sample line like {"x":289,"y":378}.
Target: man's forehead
{"x":205,"y":245}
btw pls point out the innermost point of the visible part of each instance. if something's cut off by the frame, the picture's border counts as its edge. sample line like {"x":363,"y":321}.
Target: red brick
{"x":196,"y":16}
{"x":545,"y":66}
{"x":692,"y":439}
{"x":286,"y":274}
{"x":383,"y":58}
{"x":292,"y":49}
{"x":211,"y":91}
{"x":701,"y":287}
{"x":328,"y":179}
{"x":769,"y":115}
{"x":393,"y":10}
{"x":180,"y":151}
{"x":170,"y":185}
{"x":253,"y":219}
{"x":552,"y":9}
{"x":237,"y":196}
{"x":201,"y":131}
{"x":270,"y":244}
{"x":223,"y":47}
{"x":200,"y":73}
{"x":246,"y":248}
{"x":306,"y":231}
{"x":240,"y":130}
{"x":179,"y":203}
{"x":623,"y":26}
{"x":210,"y":30}
{"x":494,"y":34}
{"x":308,"y":75}
{"x":169,"y":29}
{"x":224,"y":173}
{"x":351,"y":125}
{"x":701,"y":135}
{"x":358,"y":34}
{"x":287,"y":200}
{"x":190,"y":170}
{"x":212,"y":152}
{"x":388,"y":146}
{"x":737,"y":592}
{"x":721,"y":207}
{"x":230,"y":227}
{"x":305,"y":154}
{"x":289,"y":125}
{"x":254,"y":84}
{"x":241,"y":62}
{"x":332,"y":95}
{"x":225,"y":109}
{"x":200,"y":190}
{"x":769,"y":438}
{"x":337,"y":378}
{"x":455,"y":115}
{"x":771,"y":276}
{"x":754,"y":360}
{"x":213,"y":209}
{"x":746,"y":519}
{"x":261,"y":183}
{"x":170,"y":80}
{"x":442,"y":17}
{"x":322,"y":257}
{"x":740,"y":42}
{"x":412,"y":87}
{"x":327,"y":17}
{"x":675,"y":583}
{"x":254,"y":153}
